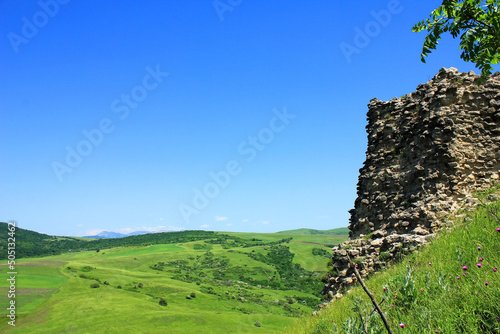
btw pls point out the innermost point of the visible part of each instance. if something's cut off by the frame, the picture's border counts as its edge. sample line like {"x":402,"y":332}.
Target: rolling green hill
{"x":210,"y":282}
{"x":30,"y":243}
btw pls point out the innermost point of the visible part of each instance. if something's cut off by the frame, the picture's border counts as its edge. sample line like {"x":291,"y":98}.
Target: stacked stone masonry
{"x":428,"y":151}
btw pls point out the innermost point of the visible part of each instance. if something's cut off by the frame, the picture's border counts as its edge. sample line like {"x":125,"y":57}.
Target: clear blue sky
{"x":116,"y":115}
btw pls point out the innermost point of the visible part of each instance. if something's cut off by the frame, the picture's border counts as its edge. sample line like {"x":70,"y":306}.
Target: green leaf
{"x":475,"y":22}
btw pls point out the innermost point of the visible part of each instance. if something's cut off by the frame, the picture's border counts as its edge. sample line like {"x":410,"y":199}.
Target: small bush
{"x":369,"y":236}
{"x":385,"y":256}
{"x":193,"y":294}
{"x":95,"y":285}
{"x":325,"y":278}
{"x":257,"y":324}
{"x":321,"y":252}
{"x":163,"y":302}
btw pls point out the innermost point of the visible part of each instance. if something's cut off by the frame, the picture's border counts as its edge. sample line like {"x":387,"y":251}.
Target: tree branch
{"x":374,"y":302}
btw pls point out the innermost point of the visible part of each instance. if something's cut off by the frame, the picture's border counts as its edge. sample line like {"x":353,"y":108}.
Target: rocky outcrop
{"x":427,"y":152}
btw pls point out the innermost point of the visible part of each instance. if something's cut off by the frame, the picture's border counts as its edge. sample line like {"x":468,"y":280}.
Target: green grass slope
{"x":302,"y":245}
{"x":235,"y":283}
{"x":450,"y":286}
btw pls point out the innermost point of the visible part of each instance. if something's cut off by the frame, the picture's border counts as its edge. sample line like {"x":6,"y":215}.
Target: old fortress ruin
{"x":428,"y":151}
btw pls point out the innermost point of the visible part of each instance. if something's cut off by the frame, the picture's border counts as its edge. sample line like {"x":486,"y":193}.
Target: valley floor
{"x":219,"y":285}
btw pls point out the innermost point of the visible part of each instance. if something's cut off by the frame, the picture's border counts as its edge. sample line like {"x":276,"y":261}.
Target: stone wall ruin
{"x":428,"y":151}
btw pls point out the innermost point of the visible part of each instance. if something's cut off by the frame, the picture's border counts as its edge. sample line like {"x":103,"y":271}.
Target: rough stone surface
{"x":427,"y":152}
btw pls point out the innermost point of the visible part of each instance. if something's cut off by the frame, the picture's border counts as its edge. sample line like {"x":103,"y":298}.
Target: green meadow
{"x":240,"y":283}
{"x":232,"y":282}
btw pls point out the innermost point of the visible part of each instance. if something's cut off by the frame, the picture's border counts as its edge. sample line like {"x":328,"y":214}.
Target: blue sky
{"x":219,"y":115}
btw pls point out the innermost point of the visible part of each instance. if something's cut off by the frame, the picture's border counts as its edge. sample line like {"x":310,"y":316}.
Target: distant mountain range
{"x":335,"y":231}
{"x":114,"y":235}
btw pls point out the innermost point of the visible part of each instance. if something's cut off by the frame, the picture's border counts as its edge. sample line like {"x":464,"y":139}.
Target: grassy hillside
{"x":225,"y":283}
{"x":30,"y":243}
{"x":303,"y":246}
{"x":450,"y":286}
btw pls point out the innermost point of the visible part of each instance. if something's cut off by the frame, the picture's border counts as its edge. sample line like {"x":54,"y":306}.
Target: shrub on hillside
{"x":95,"y":285}
{"x":163,"y":302}
{"x":321,"y":252}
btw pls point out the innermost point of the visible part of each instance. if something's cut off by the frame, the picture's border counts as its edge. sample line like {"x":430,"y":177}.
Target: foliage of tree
{"x":211,"y":271}
{"x":290,"y":275}
{"x":321,"y":252}
{"x":476,"y":22}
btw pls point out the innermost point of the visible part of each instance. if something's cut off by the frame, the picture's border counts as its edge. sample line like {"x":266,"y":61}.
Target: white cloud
{"x":175,"y":228}
{"x":204,"y":226}
{"x":266,"y":222}
{"x":220,"y":219}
